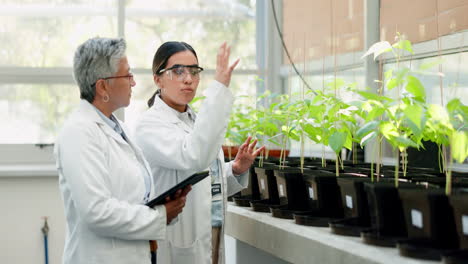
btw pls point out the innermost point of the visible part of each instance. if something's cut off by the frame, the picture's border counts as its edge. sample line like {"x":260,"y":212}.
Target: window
{"x":37,"y":90}
{"x":331,"y":47}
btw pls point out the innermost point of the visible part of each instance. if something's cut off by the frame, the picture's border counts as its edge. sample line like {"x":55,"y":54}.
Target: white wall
{"x":23,"y":203}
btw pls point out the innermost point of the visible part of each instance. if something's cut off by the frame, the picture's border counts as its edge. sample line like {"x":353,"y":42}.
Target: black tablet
{"x":161,"y":199}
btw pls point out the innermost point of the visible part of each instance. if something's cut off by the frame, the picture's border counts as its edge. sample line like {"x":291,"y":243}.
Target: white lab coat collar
{"x":173,"y":115}
{"x":90,"y":111}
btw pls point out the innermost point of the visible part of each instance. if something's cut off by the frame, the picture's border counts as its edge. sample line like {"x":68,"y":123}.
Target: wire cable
{"x":280,"y":34}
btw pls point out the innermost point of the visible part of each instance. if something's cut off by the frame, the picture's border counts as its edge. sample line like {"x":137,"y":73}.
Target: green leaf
{"x":388,"y":130}
{"x":415,"y":87}
{"x":459,"y":146}
{"x":336,"y":141}
{"x":404,"y":44}
{"x":274,"y":142}
{"x":398,"y":79}
{"x":349,"y":141}
{"x":374,"y":113}
{"x":405,"y":142}
{"x":453,"y":104}
{"x":378,"y":48}
{"x":414,"y":113}
{"x":368,"y":138}
{"x":415,"y":130}
{"x":367,"y":128}
{"x":394,"y":82}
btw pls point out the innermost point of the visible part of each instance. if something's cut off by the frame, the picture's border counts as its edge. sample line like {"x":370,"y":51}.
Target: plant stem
{"x":336,"y":166}
{"x":405,"y":162}
{"x":379,"y":156}
{"x":354,"y":149}
{"x":324,"y":162}
{"x":397,"y":168}
{"x":302,"y":151}
{"x":284,"y":152}
{"x":281,"y":158}
{"x":448,"y":181}
{"x":439,"y":158}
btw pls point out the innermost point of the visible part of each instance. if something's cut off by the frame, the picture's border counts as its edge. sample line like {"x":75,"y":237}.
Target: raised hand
{"x":246,"y":156}
{"x":223,"y":70}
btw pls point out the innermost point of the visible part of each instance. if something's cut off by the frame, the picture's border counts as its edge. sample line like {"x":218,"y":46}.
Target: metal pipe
{"x":45,"y":233}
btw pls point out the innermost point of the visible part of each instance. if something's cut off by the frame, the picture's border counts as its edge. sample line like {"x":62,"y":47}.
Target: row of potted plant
{"x":324,"y":118}
{"x":370,"y":200}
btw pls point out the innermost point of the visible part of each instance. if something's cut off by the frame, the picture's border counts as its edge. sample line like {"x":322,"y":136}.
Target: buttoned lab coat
{"x":103,"y":190}
{"x":175,"y":151}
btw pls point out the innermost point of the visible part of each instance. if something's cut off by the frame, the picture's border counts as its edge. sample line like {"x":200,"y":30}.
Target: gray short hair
{"x":95,"y":59}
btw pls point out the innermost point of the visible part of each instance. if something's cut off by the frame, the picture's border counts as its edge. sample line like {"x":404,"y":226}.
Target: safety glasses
{"x":180,"y":72}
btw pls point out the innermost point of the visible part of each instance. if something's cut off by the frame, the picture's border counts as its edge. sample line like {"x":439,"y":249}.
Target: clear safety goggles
{"x":180,"y":72}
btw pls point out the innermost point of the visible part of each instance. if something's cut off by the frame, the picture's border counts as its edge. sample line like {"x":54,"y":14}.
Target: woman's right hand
{"x":174,"y":206}
{"x":223,"y":70}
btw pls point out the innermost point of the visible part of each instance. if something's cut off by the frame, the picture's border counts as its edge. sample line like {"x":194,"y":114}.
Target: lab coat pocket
{"x":184,"y":254}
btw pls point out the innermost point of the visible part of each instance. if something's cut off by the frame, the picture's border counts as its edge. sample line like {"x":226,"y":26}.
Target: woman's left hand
{"x":245,"y":156}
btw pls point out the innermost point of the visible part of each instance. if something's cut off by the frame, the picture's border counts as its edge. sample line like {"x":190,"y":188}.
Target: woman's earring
{"x":105,"y":98}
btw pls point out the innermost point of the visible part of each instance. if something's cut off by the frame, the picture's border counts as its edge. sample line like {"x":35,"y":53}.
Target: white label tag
{"x":349,"y":201}
{"x":262,"y":184}
{"x":465,"y":224}
{"x":416,"y":218}
{"x":281,"y":190}
{"x":311,"y":193}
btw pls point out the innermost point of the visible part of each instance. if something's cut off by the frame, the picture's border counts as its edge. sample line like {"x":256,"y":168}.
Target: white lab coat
{"x":174,"y":151}
{"x":103,"y":190}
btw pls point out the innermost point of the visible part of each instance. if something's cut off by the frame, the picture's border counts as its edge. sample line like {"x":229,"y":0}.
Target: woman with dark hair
{"x":178,"y":142}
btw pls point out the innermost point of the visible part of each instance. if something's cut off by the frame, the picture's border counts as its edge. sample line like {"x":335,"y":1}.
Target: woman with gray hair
{"x":103,"y":177}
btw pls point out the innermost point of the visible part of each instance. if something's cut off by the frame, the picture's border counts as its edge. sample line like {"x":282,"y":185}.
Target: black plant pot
{"x":323,"y":197}
{"x":429,"y":222}
{"x":387,"y":220}
{"x":266,"y":181}
{"x":459,"y":202}
{"x":291,"y":188}
{"x":323,"y":193}
{"x":355,"y":206}
{"x":291,"y":192}
{"x":268,"y":190}
{"x":252,"y":189}
{"x":231,"y":198}
{"x":456,"y":257}
{"x":250,"y":193}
